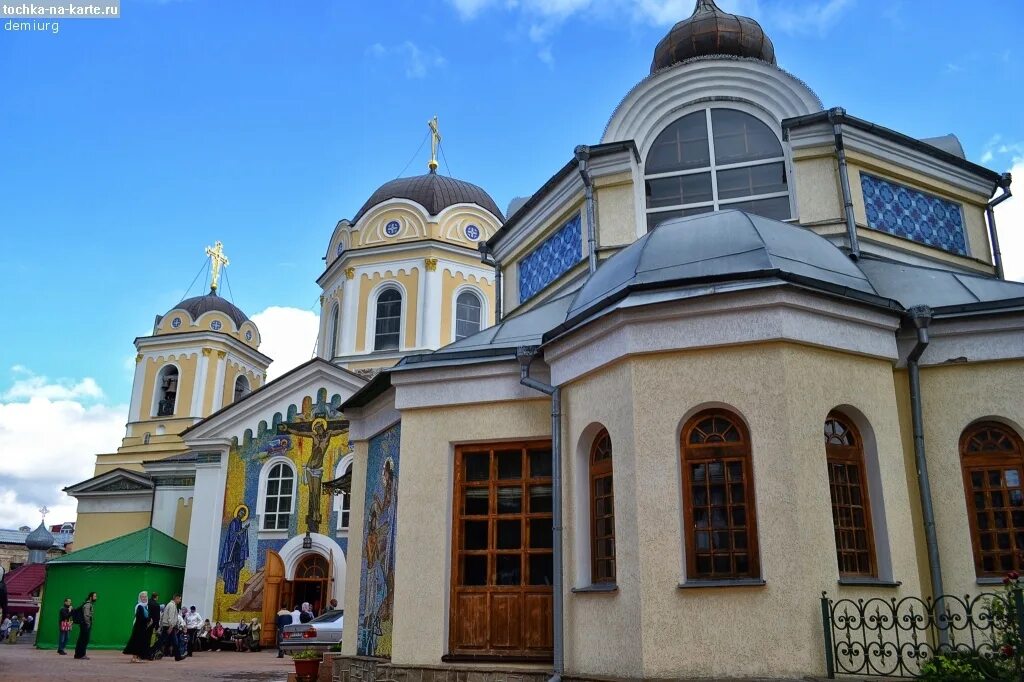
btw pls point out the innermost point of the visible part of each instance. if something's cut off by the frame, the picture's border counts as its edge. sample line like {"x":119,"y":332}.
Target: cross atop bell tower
{"x":435,"y":142}
{"x":217,"y":259}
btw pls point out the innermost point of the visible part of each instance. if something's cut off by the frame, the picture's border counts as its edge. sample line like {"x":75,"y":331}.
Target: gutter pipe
{"x":835,"y":117}
{"x":921,"y":316}
{"x":487,"y":258}
{"x":525,"y":356}
{"x":997,"y":257}
{"x":582,"y":158}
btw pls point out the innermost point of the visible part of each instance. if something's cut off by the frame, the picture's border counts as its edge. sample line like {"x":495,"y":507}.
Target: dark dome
{"x":197,"y":305}
{"x":710,"y":31}
{"x":433,"y":192}
{"x":40,"y":538}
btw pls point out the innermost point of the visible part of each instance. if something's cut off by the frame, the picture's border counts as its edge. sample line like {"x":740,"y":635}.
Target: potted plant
{"x":307,"y":664}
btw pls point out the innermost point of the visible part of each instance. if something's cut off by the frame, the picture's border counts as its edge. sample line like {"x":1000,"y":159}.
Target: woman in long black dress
{"x":138,"y":643}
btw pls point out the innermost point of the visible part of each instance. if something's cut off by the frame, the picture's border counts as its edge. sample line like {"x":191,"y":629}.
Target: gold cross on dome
{"x":217,"y":259}
{"x":435,"y":142}
{"x":44,"y":511}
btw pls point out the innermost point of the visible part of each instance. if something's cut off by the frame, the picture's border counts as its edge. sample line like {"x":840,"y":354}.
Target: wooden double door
{"x":502,"y":568}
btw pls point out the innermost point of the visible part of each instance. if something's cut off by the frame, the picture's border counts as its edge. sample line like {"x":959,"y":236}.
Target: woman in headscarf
{"x":307,"y":613}
{"x":138,"y":643}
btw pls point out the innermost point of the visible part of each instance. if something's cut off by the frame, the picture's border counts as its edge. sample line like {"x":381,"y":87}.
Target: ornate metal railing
{"x":895,"y":637}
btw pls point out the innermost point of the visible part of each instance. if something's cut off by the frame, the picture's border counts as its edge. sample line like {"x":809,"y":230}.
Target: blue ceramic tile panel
{"x":549,"y":261}
{"x":911,"y":214}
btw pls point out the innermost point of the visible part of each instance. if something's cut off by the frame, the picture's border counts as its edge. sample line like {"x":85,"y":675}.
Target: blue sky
{"x":129,"y":145}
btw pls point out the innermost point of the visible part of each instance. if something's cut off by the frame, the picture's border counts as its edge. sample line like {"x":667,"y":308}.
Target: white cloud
{"x":49,"y":439}
{"x":1010,"y":223}
{"x":288,"y":336}
{"x":417,"y":61}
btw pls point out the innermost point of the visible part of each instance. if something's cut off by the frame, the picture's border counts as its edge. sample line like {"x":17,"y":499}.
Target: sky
{"x":129,"y":145}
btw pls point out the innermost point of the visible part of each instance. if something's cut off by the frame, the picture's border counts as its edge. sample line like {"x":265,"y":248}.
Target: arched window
{"x":280,"y":497}
{"x":712,"y":160}
{"x":718,"y":498}
{"x":333,"y":332}
{"x":468,"y":311}
{"x":993,"y":462}
{"x":344,"y":500}
{"x":242,"y":387}
{"x":602,"y":511}
{"x":166,"y":391}
{"x":312,"y":567}
{"x":851,"y":507}
{"x":388,"y":327}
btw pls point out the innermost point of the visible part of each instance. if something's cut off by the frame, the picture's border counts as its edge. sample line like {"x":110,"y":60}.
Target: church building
{"x":741,"y":351}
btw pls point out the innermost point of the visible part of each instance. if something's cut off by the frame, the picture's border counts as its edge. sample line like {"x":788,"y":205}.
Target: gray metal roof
{"x":939,"y":289}
{"x":717,"y":246}
{"x":947,"y":143}
{"x":197,"y":305}
{"x":433,"y":192}
{"x":18,"y":537}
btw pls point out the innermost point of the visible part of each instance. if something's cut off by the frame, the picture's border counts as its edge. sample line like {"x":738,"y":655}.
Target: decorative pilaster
{"x":430,"y":307}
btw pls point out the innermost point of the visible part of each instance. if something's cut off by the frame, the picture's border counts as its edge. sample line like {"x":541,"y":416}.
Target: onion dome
{"x":197,"y":305}
{"x":40,"y":539}
{"x":433,"y":192}
{"x":710,"y":31}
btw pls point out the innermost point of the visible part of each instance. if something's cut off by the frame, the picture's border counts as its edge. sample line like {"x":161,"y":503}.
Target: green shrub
{"x":307,"y":655}
{"x":952,"y":668}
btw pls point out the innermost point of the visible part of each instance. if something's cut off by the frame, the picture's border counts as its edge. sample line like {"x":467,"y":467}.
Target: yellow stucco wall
{"x":816,"y":184}
{"x":449,"y":283}
{"x":953,"y":397}
{"x":183,"y":519}
{"x":186,"y":381}
{"x":408,"y":279}
{"x":94,"y":528}
{"x":616,"y":211}
{"x":423,"y":544}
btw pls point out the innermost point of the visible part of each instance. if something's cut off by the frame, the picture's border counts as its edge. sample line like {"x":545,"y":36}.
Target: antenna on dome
{"x":435,"y":142}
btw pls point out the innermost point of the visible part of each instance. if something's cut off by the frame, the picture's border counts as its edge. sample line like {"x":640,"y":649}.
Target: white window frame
{"x":261,"y":497}
{"x":455,"y":308}
{"x":371,"y":328}
{"x":334,"y":322}
{"x":339,"y":500}
{"x":717,"y":204}
{"x":156,"y":391}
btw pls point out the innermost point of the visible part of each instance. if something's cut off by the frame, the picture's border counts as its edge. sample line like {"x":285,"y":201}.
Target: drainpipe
{"x":835,"y":116}
{"x":997,"y":256}
{"x":487,"y":258}
{"x":582,"y":158}
{"x":921,"y":316}
{"x":525,"y":356}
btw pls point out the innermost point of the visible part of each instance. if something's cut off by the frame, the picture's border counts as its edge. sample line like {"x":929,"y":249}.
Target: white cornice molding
{"x":759,"y":316}
{"x":890,"y":151}
{"x":272,"y":398}
{"x":167,"y":342}
{"x":367,"y":421}
{"x":463,"y":385}
{"x":969,"y":339}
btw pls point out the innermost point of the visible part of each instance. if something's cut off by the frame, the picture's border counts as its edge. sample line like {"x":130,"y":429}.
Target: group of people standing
{"x":82,"y":617}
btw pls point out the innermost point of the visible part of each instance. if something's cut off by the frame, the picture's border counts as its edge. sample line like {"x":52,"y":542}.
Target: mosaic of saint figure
{"x":321,"y":430}
{"x":234,"y":550}
{"x":378,"y":552}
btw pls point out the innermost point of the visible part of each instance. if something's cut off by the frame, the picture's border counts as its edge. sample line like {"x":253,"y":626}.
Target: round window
{"x":176,"y":322}
{"x":392,"y":228}
{"x":248,"y":335}
{"x":215,"y":325}
{"x":340,"y":249}
{"x":472,"y":232}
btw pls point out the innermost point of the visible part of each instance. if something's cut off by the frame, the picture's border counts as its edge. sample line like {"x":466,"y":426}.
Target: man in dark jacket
{"x":85,"y":629}
{"x":284,"y":617}
{"x":154,"y":617}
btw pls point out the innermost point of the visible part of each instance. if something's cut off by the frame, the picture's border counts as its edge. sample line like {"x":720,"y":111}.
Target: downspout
{"x":997,"y":256}
{"x":921,"y":316}
{"x":487,"y":258}
{"x":835,"y":116}
{"x":525,"y":356}
{"x":582,"y":158}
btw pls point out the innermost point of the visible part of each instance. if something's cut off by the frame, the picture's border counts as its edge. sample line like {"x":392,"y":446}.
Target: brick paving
{"x":22,"y":662}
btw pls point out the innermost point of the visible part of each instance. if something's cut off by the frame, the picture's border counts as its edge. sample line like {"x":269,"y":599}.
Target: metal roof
{"x":17,"y":537}
{"x":937,"y":288}
{"x":197,"y":305}
{"x":433,"y":192}
{"x":711,"y":31}
{"x":146,"y":546}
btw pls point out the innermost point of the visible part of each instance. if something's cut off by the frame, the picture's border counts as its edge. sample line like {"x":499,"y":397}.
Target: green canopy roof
{"x":146,"y":546}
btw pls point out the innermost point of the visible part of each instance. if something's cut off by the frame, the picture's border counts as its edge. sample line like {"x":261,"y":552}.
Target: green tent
{"x":117,"y":570}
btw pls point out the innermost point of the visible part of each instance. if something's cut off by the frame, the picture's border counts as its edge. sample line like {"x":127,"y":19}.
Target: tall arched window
{"x":344,"y":501}
{"x":166,"y":391}
{"x":851,"y":507}
{"x":712,"y":160}
{"x":388,"y":326}
{"x":718,"y":498}
{"x":280,"y":496}
{"x":468,"y":312}
{"x":993,"y":462}
{"x":334,"y":332}
{"x":242,"y":387}
{"x":602,"y":511}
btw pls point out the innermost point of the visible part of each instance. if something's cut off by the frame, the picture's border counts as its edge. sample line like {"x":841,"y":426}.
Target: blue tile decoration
{"x":549,"y":261}
{"x":912,"y":214}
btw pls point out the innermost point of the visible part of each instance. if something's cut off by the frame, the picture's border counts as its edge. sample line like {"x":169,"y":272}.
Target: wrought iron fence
{"x":895,"y":637}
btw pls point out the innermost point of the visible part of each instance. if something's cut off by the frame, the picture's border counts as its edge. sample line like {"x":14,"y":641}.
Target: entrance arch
{"x":292,"y":555}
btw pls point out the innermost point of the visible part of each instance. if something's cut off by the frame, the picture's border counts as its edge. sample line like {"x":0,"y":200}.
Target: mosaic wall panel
{"x":549,"y":261}
{"x":314,"y":437}
{"x":912,"y":214}
{"x":377,"y":572}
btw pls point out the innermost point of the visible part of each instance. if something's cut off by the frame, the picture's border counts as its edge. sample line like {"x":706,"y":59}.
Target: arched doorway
{"x":310,"y":582}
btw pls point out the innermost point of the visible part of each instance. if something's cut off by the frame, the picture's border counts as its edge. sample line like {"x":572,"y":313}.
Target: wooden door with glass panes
{"x":502,"y":568}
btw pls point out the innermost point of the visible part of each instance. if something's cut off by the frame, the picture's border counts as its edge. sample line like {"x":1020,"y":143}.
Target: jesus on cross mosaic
{"x":320,"y":429}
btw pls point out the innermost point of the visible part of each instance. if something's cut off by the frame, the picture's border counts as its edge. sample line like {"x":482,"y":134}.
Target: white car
{"x":321,"y":633}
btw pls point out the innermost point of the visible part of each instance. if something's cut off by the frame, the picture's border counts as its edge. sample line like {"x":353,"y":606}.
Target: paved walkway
{"x":24,"y":663}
